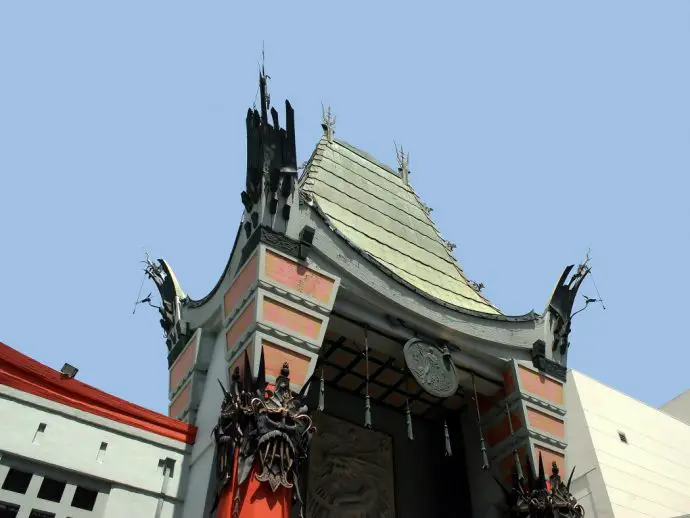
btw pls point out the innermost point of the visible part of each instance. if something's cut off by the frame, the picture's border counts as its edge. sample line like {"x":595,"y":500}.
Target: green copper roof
{"x":373,"y":209}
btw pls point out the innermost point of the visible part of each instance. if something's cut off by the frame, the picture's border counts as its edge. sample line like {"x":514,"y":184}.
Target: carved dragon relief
{"x":350,"y":472}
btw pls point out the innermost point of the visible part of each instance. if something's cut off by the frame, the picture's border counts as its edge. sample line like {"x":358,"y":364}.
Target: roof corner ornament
{"x":427,"y":210}
{"x":477,"y":286}
{"x":403,"y":163}
{"x":562,"y":301}
{"x":271,"y":161}
{"x":450,"y":246}
{"x":171,"y":301}
{"x":327,"y":123}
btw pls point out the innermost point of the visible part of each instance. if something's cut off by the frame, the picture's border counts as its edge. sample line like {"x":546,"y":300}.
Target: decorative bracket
{"x":171,"y":299}
{"x":561,"y":304}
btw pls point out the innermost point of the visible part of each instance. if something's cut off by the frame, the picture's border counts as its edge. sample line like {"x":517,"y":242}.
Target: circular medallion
{"x":432,"y":367}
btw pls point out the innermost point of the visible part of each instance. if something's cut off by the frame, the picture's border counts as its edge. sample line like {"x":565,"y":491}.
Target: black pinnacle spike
{"x":261,"y":375}
{"x":264,"y":103}
{"x":290,"y":149}
{"x":247,"y":380}
{"x":304,"y":390}
{"x":235,"y":382}
{"x":570,"y":478}
{"x":276,"y":121}
{"x":530,"y":475}
{"x":541,"y":480}
{"x":222,"y":387}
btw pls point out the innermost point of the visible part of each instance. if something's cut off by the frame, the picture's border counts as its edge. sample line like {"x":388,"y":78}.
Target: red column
{"x":227,"y":497}
{"x":257,"y":500}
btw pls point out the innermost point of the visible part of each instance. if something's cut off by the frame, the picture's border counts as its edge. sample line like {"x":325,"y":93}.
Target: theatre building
{"x":362,"y":374}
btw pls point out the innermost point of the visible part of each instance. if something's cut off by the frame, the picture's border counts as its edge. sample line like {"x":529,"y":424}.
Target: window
{"x":31,"y":490}
{"x":623,"y":437}
{"x":84,"y":498}
{"x":17,"y":481}
{"x":8,"y":510}
{"x":51,"y":490}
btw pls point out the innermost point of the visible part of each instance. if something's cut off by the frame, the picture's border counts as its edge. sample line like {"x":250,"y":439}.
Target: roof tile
{"x":378,"y":213}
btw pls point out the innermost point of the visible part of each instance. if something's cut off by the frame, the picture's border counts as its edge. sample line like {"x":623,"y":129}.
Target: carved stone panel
{"x":432,"y":367}
{"x":350,"y":472}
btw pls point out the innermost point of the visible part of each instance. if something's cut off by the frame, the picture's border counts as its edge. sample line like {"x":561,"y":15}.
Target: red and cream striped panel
{"x":537,"y":410}
{"x":280,"y":306}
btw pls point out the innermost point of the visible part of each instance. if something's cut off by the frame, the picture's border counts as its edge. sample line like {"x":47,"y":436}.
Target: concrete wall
{"x":679,"y":407}
{"x":201,"y":467}
{"x":647,"y":476}
{"x":43,"y":433}
{"x":588,"y":484}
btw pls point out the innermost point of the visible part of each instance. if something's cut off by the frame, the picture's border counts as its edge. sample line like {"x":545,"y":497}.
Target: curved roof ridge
{"x":527,"y":317}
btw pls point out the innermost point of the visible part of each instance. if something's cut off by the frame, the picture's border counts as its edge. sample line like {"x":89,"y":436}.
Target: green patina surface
{"x":376,"y":211}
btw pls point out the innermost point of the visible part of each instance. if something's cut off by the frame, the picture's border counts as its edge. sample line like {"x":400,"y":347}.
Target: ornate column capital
{"x":262,"y":433}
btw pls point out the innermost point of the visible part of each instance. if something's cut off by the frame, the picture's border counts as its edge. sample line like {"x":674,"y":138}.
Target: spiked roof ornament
{"x":538,"y":497}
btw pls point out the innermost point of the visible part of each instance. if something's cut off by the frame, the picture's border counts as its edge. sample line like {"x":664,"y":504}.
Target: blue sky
{"x":536,"y":130}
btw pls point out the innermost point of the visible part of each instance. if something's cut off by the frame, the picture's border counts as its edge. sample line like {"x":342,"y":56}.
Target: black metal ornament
{"x":408,"y":413}
{"x":367,"y":398}
{"x":534,"y":498}
{"x":516,"y":455}
{"x":322,"y":392}
{"x":269,"y":426}
{"x":446,"y":434}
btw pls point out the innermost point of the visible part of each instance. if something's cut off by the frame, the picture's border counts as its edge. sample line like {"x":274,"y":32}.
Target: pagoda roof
{"x":383,"y":218}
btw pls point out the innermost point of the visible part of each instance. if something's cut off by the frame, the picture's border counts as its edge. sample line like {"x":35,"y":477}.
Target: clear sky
{"x":536,"y":130}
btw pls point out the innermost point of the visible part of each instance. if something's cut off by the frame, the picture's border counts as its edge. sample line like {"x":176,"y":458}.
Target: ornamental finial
{"x":327,"y":123}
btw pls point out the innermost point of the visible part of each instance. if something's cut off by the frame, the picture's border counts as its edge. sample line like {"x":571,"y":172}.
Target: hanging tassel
{"x":482,"y":444}
{"x":408,"y":420}
{"x":408,"y":414}
{"x":446,"y":434}
{"x":367,"y":399}
{"x":322,"y":391}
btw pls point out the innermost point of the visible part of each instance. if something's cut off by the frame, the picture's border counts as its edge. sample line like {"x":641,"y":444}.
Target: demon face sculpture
{"x":538,"y":497}
{"x":272,"y":425}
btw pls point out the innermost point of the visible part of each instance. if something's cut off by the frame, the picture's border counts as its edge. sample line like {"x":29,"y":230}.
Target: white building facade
{"x":68,"y":450}
{"x":632,"y":460}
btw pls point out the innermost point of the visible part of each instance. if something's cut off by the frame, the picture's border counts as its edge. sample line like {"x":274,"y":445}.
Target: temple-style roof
{"x":380,"y":214}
